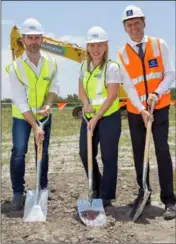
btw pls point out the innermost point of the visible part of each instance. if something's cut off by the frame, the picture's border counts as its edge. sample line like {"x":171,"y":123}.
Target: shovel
{"x":145,"y":193}
{"x":91,"y":211}
{"x":35,"y":209}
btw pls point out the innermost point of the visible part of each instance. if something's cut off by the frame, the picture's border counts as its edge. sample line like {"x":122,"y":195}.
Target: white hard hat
{"x":131,"y":12}
{"x":31,"y":27}
{"x":96,"y":34}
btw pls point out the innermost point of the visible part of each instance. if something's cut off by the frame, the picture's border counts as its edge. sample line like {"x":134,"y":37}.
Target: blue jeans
{"x":21,"y":130}
{"x":107,"y":133}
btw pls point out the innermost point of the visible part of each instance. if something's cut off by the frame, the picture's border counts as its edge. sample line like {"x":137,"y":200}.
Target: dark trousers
{"x":107,"y":132}
{"x":21,"y":130}
{"x":160,"y":129}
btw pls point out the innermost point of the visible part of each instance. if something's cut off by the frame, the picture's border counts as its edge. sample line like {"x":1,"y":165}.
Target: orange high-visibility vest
{"x":153,"y":71}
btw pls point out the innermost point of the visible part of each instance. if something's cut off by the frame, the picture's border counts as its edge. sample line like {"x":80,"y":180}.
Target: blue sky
{"x":71,"y":20}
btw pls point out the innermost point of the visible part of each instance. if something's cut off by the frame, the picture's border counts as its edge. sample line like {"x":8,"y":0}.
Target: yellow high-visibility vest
{"x":36,"y":87}
{"x":95,"y":87}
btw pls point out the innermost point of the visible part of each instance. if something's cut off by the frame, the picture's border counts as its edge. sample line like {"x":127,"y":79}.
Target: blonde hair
{"x":103,"y":61}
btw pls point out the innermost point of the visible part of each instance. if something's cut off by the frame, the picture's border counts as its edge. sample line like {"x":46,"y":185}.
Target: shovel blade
{"x":136,"y":212}
{"x":92,"y":214}
{"x":36,"y":212}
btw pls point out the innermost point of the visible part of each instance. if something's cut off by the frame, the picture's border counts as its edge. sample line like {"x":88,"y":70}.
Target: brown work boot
{"x":170,"y":212}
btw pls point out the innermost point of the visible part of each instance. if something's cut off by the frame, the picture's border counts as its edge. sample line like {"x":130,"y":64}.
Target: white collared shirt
{"x":19,"y":94}
{"x":112,"y":73}
{"x":169,"y":73}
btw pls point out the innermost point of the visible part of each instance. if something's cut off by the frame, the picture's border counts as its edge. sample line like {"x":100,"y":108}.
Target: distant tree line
{"x":74,"y":99}
{"x":69,"y":99}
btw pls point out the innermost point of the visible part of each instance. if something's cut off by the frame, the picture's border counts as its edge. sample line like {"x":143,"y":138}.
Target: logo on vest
{"x":97,"y":75}
{"x":46,"y":78}
{"x":153,"y":63}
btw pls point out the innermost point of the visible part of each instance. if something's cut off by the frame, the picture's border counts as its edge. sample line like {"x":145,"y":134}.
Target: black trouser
{"x":107,"y":132}
{"x":160,"y":129}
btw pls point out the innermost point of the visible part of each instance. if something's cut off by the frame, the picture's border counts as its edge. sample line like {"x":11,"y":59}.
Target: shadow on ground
{"x":122,"y":213}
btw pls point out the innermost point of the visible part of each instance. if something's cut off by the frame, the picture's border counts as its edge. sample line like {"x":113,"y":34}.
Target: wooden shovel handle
{"x":89,"y":156}
{"x":89,"y":150}
{"x":39,"y":150}
{"x":148,"y":136}
{"x":147,"y":142}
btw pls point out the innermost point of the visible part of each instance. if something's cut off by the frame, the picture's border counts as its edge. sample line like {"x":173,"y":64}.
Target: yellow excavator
{"x":60,"y":48}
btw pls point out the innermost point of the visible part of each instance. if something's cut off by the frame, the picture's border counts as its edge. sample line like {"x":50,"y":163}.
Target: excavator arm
{"x":64,"y":49}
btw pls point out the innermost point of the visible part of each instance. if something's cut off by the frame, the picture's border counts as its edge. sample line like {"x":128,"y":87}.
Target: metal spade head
{"x":91,"y":213}
{"x":140,"y":204}
{"x":36,"y":210}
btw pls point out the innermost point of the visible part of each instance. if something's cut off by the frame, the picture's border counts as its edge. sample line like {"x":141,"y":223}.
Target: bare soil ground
{"x":67,"y":183}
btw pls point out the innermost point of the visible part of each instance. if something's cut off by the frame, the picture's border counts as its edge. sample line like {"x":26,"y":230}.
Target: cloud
{"x":7,"y":22}
{"x":78,"y":40}
{"x":68,"y":70}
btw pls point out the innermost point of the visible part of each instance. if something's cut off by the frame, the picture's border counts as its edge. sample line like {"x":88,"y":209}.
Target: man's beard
{"x":33,"y":48}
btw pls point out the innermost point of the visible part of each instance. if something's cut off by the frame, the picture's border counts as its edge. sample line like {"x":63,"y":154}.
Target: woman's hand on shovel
{"x":88,"y":108}
{"x":92,"y":123}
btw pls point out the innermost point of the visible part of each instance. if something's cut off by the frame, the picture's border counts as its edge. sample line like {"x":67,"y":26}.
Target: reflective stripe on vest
{"x":97,"y":93}
{"x":148,"y":77}
{"x":153,"y":69}
{"x":36,"y":88}
{"x":98,"y":101}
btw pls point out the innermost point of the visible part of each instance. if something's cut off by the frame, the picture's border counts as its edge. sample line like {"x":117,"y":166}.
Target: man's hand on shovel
{"x":146,"y":116}
{"x":39,"y":134}
{"x":144,"y":113}
{"x":152,"y":98}
{"x":45,"y":110}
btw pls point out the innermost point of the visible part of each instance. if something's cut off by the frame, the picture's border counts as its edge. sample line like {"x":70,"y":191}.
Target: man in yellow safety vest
{"x":34,"y":85}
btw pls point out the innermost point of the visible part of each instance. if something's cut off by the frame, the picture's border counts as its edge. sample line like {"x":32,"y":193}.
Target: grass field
{"x":65,"y":127}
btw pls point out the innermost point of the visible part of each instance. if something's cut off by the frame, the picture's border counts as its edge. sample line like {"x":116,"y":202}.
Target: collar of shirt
{"x":91,"y":67}
{"x":35,"y":68}
{"x":133,"y":43}
{"x":25,"y":58}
